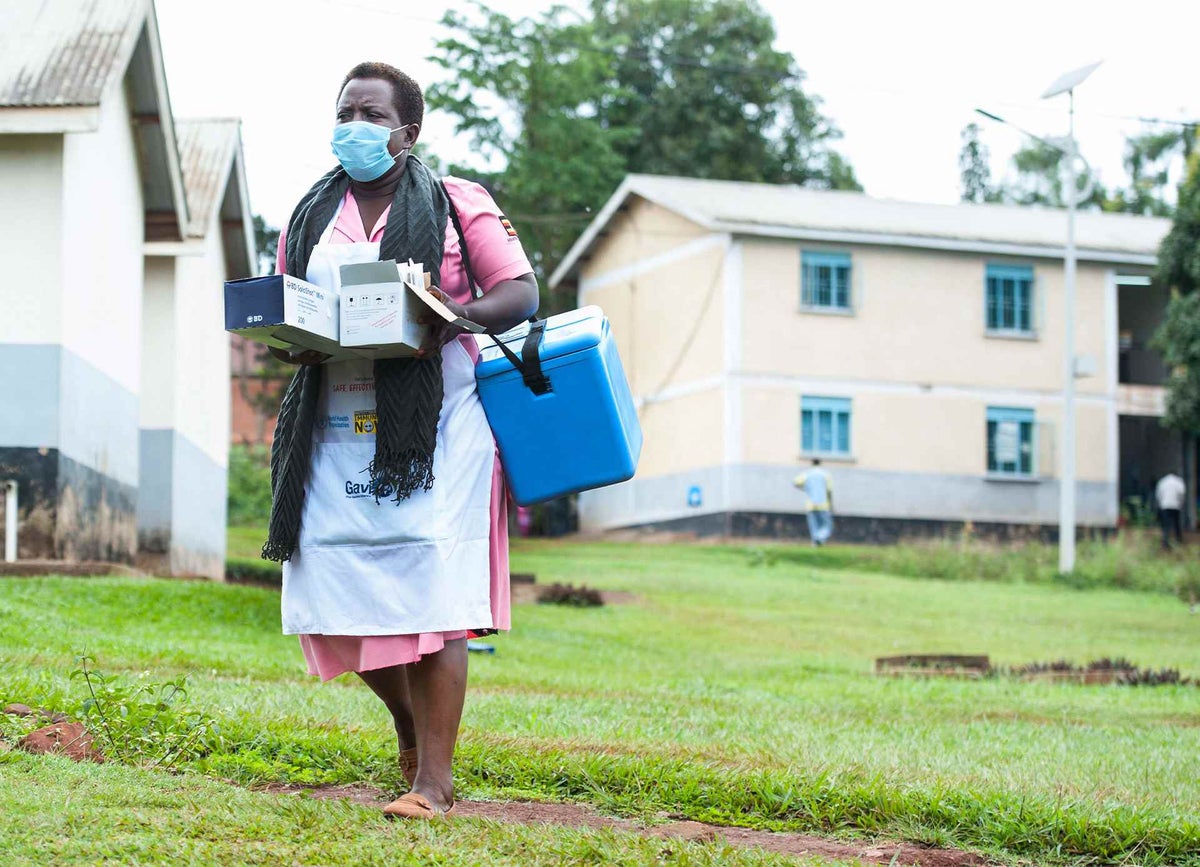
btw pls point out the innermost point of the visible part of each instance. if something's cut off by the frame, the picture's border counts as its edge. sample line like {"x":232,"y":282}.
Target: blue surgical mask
{"x":362,"y":149}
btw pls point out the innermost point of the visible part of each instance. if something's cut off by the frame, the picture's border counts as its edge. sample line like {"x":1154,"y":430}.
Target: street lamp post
{"x":1066,"y":502}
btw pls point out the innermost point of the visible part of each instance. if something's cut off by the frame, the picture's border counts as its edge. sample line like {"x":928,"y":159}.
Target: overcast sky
{"x":899,"y":78}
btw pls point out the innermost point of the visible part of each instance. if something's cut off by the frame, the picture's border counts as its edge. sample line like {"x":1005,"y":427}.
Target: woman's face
{"x":371,"y":100}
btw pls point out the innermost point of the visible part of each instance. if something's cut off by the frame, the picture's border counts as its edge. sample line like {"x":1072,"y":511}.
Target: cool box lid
{"x":566,"y":334}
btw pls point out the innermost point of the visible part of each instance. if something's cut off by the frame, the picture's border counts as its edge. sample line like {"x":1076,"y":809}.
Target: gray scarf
{"x":408,"y":392}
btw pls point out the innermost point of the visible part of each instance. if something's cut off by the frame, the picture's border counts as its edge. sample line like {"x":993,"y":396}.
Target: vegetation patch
{"x":1131,"y":561}
{"x":568,"y":594}
{"x":730,"y":694}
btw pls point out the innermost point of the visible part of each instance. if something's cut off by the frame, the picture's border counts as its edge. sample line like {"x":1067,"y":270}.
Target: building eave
{"x":922,"y":242}
{"x":241,"y":241}
{"x":49,"y":119}
{"x":629,"y":187}
{"x":644,"y":186}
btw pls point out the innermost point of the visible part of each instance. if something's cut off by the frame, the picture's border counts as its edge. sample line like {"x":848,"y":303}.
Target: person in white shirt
{"x":1170,"y":492}
{"x":819,"y":490}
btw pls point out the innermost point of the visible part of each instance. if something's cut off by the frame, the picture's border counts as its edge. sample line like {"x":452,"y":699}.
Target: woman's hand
{"x":441,"y":332}
{"x":308,"y":356}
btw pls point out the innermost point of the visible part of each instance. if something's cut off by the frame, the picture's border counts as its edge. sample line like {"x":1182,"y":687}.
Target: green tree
{"x":568,"y":104}
{"x":1179,"y":253}
{"x":261,"y":378}
{"x":974,"y":171}
{"x":266,"y":240}
{"x":708,"y":95}
{"x":1039,"y":177}
{"x":1179,"y":337}
{"x":525,"y":92}
{"x":1148,"y":160}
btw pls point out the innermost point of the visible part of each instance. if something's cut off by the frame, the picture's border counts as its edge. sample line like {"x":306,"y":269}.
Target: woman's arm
{"x":506,"y":304}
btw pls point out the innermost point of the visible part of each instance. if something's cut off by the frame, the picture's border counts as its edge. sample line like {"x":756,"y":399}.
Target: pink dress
{"x":496,"y":256}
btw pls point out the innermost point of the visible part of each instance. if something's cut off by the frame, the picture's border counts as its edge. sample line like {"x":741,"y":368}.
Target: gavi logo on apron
{"x":359,"y":490}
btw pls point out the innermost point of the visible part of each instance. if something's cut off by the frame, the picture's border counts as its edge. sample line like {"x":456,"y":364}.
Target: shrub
{"x":247,"y":570}
{"x":1131,"y":561}
{"x":249,"y":485}
{"x":568,"y":594}
{"x":142,"y":723}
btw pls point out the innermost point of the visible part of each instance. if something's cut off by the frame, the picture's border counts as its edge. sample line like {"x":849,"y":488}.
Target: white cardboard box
{"x":380,"y":303}
{"x":284,"y":312}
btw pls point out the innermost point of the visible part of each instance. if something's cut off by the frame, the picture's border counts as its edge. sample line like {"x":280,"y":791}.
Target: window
{"x":1010,"y":442}
{"x":825,"y":281}
{"x":1010,"y":299}
{"x":825,"y":426}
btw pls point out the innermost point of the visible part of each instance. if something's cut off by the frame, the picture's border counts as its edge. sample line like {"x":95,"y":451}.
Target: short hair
{"x":816,"y":462}
{"x":406,"y":93}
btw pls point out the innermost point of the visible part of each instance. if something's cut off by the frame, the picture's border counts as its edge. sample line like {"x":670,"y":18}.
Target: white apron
{"x":367,"y":568}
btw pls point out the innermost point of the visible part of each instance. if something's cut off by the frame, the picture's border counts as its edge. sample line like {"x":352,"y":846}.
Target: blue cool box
{"x":584,"y":432}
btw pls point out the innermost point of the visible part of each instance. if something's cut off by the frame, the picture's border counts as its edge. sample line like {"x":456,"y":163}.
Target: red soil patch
{"x":577,"y":815}
{"x":62,"y":738}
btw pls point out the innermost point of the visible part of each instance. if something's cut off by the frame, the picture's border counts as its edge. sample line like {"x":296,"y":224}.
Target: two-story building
{"x":916,"y":349}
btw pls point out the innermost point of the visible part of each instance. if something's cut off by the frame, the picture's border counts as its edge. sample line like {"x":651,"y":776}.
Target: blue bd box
{"x":284,"y":312}
{"x":582,"y":431}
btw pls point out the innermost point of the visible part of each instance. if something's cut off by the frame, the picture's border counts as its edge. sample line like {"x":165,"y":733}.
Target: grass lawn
{"x":736,"y":689}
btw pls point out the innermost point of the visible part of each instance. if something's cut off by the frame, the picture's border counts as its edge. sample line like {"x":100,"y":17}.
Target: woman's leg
{"x":438,"y":686}
{"x":391,"y":685}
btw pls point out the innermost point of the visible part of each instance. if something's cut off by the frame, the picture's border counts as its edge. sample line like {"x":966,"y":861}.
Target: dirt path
{"x":576,"y":815}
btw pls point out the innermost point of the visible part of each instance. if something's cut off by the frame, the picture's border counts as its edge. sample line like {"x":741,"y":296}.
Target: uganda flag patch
{"x":508,"y":226}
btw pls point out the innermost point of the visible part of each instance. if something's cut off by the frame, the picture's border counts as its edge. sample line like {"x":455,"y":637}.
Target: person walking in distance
{"x":819,"y":490}
{"x":1170,"y":492}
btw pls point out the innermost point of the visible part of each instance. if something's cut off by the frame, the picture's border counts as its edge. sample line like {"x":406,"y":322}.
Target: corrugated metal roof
{"x":64,"y":52}
{"x":748,"y":204}
{"x":206,"y":149}
{"x":792,"y":211}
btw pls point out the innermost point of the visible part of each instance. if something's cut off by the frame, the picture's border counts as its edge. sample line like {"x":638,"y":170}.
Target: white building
{"x":917,"y":350}
{"x":117,"y":228}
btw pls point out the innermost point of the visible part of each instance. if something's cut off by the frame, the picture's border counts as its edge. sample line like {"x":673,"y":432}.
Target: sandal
{"x":408,"y":765}
{"x":414,"y":806}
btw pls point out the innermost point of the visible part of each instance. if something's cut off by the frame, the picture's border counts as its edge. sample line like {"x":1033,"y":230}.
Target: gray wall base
{"x":69,"y":511}
{"x":856,"y":529}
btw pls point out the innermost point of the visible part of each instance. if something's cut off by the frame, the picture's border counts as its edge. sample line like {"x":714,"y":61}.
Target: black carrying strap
{"x":530,"y":362}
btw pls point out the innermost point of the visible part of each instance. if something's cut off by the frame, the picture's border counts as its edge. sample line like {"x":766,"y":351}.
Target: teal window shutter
{"x":825,"y":426}
{"x":1009,"y":298}
{"x":1011,"y":441}
{"x":825,"y":281}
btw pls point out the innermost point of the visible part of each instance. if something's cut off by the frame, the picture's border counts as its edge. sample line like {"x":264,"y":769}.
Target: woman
{"x":388,"y":502}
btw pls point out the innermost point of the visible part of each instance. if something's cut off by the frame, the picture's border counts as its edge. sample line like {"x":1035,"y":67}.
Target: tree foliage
{"x":261,"y":378}
{"x":705,"y":94}
{"x":1179,"y":253}
{"x":1179,"y":337}
{"x":566,"y":104}
{"x":1038,"y":173}
{"x":974,"y":169}
{"x":1148,"y":160}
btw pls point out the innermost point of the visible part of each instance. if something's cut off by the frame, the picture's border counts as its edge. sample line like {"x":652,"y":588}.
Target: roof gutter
{"x":925,"y":242}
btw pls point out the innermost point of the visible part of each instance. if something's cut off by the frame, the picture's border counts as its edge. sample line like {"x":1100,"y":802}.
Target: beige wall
{"x":666,"y":315}
{"x":103,"y":226}
{"x":919,"y":317}
{"x":642,"y":230}
{"x":30,"y":238}
{"x":939,"y":433}
{"x":682,"y":434}
{"x":157,"y":406}
{"x":202,"y":348}
{"x":667,"y":322}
